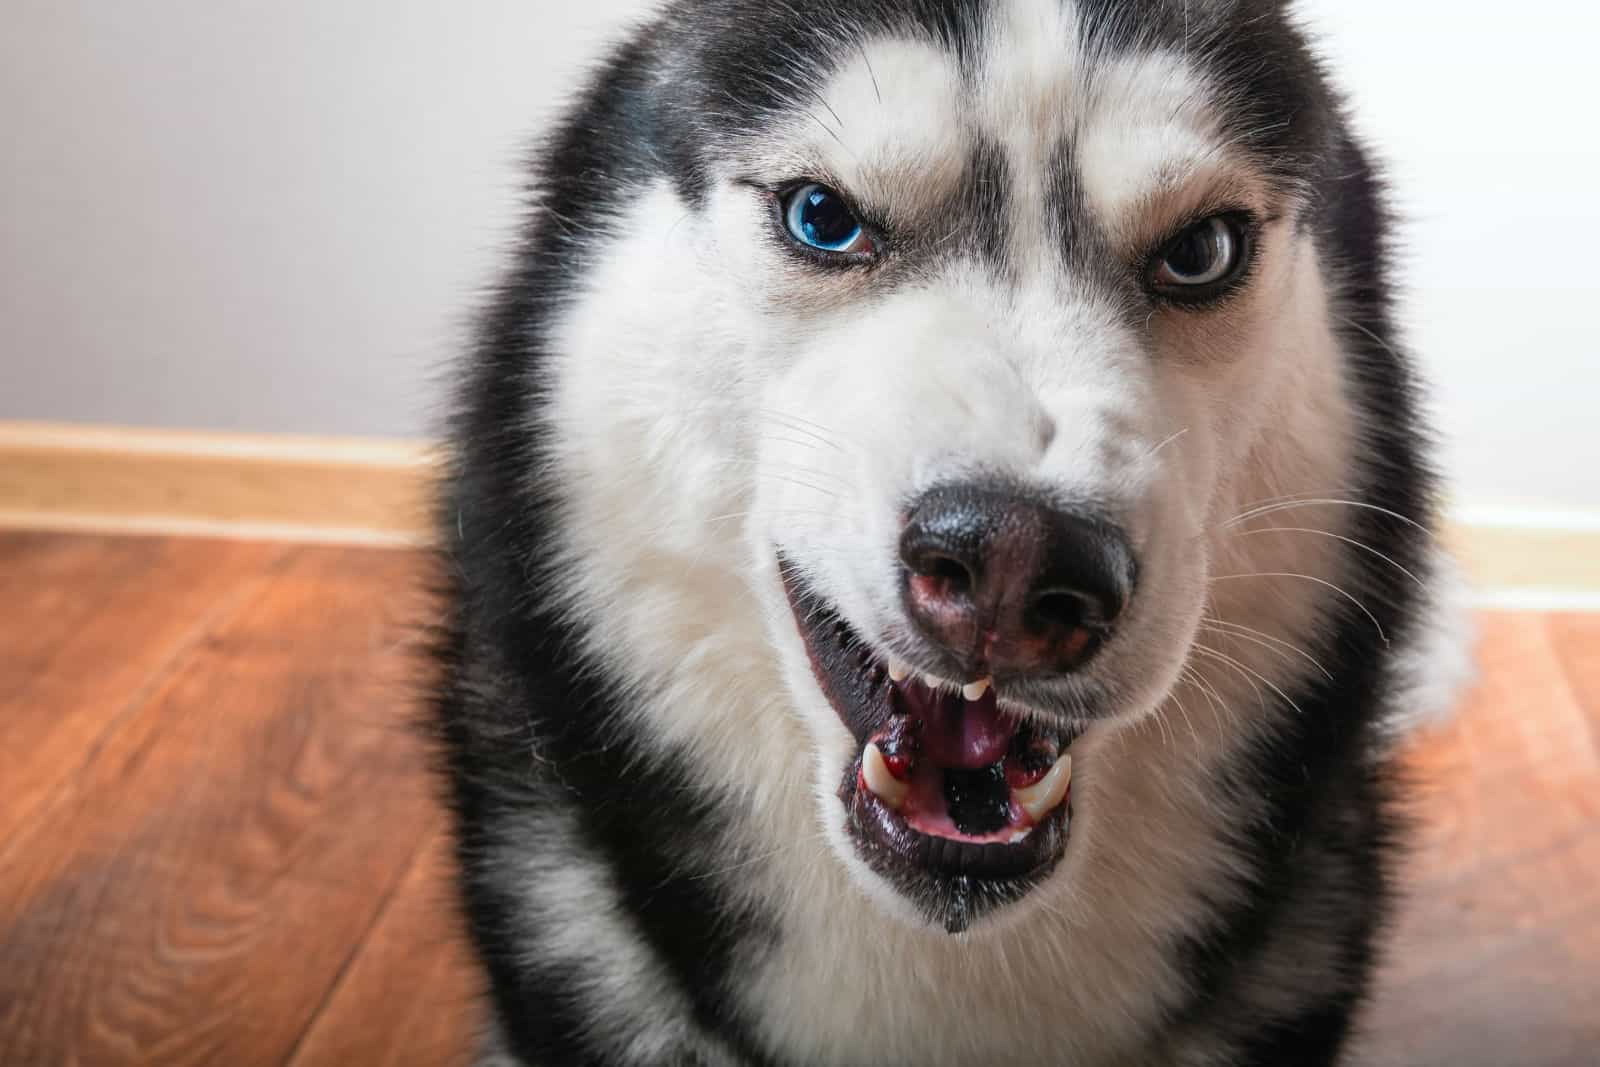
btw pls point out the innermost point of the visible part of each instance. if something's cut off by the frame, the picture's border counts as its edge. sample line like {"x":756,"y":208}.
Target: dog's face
{"x":1005,"y":295}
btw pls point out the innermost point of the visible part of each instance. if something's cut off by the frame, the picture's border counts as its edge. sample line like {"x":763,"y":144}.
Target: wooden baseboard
{"x":280,"y":488}
{"x":357,"y":490}
{"x":1530,"y":565}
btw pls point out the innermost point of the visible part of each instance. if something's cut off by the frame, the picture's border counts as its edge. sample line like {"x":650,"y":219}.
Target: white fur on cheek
{"x":654,"y":403}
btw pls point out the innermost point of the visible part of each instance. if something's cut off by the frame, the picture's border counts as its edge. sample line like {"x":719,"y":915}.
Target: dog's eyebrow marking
{"x":983,"y":205}
{"x":1073,"y":227}
{"x":1036,"y":150}
{"x":908,"y":135}
{"x":1147,"y":128}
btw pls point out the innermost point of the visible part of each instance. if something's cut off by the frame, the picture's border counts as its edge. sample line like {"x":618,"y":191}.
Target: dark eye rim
{"x":1245,"y":229}
{"x":778,"y":196}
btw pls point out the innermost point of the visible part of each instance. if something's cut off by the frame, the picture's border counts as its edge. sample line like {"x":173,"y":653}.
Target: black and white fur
{"x":663,"y":397}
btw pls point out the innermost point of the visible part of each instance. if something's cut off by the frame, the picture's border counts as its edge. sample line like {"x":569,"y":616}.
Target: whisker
{"x":1161,"y":727}
{"x":778,"y":476}
{"x":1290,"y":505}
{"x":782,"y":482}
{"x":1337,"y":537}
{"x":1236,"y":665}
{"x":1267,"y":641}
{"x":1192,"y":674}
{"x":802,"y":425}
{"x":795,"y":442}
{"x":1185,"y":713}
{"x":733,"y":515}
{"x":1281,"y":499}
{"x":1156,"y":451}
{"x":1320,"y":581}
{"x":1380,"y":342}
{"x":1261,"y":697}
{"x":762,"y":466}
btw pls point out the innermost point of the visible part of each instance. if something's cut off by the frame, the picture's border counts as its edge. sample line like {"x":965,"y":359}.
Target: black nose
{"x":1007,"y":584}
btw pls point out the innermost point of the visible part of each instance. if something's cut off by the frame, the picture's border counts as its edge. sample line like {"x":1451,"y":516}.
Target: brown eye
{"x":1202,"y":260}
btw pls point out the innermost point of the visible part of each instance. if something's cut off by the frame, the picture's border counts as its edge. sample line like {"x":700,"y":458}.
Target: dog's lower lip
{"x":880,"y":831}
{"x":946,"y":785}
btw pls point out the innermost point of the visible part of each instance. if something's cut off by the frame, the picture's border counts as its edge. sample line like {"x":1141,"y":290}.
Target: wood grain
{"x":229,"y":847}
{"x":1516,"y":772}
{"x":1495,"y":957}
{"x":411,"y":997}
{"x":89,"y":621}
{"x":221,"y":845}
{"x":1577,"y":643}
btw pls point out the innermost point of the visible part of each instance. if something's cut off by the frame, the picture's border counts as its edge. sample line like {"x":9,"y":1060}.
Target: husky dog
{"x":937,"y":526}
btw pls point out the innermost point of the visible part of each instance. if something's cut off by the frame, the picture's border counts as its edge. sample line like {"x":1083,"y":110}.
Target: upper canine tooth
{"x":898,"y":671}
{"x":884,"y":785}
{"x":975,"y":690}
{"x":1045,"y":795}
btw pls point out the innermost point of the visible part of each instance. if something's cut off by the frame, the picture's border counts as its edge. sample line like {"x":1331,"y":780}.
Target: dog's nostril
{"x":952,"y":575}
{"x":1068,"y":610}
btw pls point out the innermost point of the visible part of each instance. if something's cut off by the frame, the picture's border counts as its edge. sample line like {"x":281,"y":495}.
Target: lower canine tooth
{"x":1045,"y":795}
{"x":884,"y":785}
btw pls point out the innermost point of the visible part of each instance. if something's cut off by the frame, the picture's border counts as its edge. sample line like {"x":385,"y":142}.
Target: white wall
{"x":1487,"y":114}
{"x":273,"y":216}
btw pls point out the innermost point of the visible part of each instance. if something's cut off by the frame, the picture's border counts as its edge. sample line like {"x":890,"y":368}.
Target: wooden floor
{"x":218,"y":843}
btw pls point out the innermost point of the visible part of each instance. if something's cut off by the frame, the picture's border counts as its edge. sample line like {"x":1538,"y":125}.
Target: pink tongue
{"x":965,"y":734}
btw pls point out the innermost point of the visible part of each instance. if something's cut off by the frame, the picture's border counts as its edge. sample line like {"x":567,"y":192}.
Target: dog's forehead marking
{"x":1127,"y":123}
{"x":1032,"y":69}
{"x":899,"y":120}
{"x":1029,"y":88}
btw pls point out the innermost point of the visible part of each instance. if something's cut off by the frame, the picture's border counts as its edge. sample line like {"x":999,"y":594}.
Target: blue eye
{"x":818,"y":218}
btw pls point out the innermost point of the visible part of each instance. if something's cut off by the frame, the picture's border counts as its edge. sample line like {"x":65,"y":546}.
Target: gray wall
{"x":275,"y":216}
{"x":260,"y":215}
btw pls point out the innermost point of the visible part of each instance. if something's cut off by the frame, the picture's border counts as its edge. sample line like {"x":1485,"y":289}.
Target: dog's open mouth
{"x":960,"y":804}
